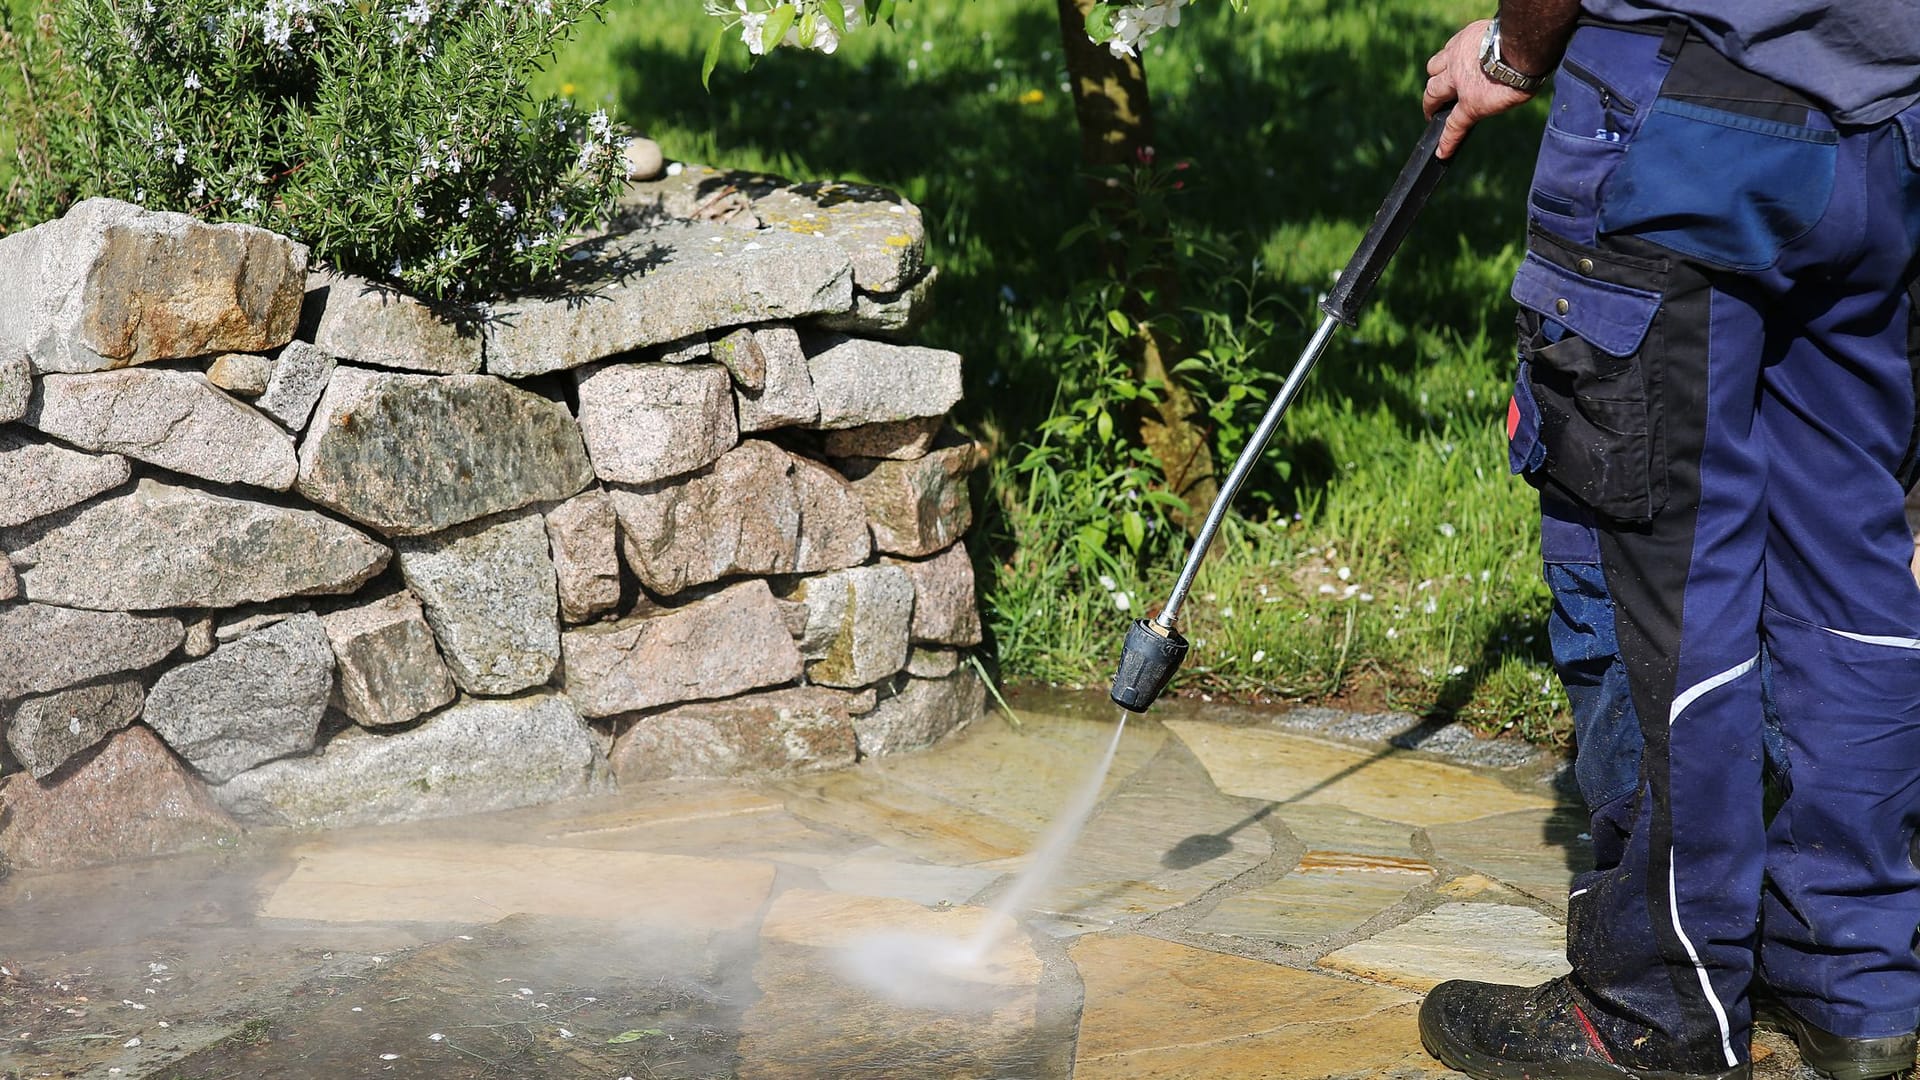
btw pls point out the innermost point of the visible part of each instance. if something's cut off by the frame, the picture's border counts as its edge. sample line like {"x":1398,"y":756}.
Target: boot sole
{"x":1836,"y":1066}
{"x":1481,"y":1067}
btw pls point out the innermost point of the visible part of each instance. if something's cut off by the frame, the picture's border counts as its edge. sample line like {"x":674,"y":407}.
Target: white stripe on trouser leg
{"x":1694,"y":693}
{"x":1877,"y":639}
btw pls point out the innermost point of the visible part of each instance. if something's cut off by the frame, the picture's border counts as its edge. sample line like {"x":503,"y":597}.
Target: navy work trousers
{"x":1716,"y":398}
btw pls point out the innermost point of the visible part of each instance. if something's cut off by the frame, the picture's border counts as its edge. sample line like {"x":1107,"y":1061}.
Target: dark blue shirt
{"x":1858,"y":58}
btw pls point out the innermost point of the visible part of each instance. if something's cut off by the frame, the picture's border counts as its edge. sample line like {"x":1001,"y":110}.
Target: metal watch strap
{"x":1497,"y":69}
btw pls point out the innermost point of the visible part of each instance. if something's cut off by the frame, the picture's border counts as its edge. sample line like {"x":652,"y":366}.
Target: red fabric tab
{"x":1513,"y":417}
{"x":1592,"y":1035}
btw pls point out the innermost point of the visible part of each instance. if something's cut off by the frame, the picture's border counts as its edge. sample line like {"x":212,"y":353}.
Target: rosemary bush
{"x":397,"y":138}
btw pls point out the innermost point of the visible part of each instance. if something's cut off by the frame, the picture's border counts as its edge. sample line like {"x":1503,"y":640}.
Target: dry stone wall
{"x":283,"y":547}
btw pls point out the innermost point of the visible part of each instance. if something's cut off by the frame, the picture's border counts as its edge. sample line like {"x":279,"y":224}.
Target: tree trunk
{"x":1116,"y":131}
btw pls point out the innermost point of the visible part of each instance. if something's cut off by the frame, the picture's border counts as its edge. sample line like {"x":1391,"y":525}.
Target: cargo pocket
{"x":1598,"y":92}
{"x":1589,"y":354}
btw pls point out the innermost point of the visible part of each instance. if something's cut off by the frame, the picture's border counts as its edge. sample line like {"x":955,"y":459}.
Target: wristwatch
{"x":1499,"y":70}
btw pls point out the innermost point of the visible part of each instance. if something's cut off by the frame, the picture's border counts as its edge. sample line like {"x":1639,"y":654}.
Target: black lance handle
{"x":1410,"y":192}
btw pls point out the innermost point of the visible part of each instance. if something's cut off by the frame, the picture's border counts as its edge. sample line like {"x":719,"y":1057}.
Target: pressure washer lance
{"x":1154,"y":648}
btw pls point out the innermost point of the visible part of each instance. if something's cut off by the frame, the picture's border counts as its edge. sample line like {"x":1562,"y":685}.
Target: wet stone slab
{"x":1389,"y":783}
{"x":525,"y":998}
{"x":1489,"y":942}
{"x":1160,"y":1011}
{"x":478,"y":882}
{"x":713,"y":818}
{"x":1050,"y":755}
{"x":1335,"y":828}
{"x":958,"y":805}
{"x":877,"y":872}
{"x":652,"y":811}
{"x":1329,"y":895}
{"x":904,"y":819}
{"x":1535,"y":851}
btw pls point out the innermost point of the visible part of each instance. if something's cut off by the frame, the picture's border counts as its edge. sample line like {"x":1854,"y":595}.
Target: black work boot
{"x":1836,"y":1056}
{"x":1545,"y":1032}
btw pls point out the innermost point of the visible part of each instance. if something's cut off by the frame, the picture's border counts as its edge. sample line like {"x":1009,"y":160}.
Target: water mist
{"x":927,"y":971}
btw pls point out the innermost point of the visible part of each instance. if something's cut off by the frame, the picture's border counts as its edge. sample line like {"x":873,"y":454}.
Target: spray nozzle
{"x":1148,"y":659}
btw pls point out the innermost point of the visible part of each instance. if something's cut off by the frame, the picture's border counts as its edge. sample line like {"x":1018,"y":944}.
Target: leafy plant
{"x":397,"y":138}
{"x":1081,"y":503}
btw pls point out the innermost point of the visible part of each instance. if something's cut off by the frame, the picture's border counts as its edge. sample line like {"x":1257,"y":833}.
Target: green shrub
{"x":397,"y":138}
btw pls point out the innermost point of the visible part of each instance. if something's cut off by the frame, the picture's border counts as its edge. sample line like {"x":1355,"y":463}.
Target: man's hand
{"x":1455,"y":75}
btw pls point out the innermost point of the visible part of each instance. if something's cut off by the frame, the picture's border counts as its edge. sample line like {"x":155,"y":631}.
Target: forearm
{"x":1533,"y":33}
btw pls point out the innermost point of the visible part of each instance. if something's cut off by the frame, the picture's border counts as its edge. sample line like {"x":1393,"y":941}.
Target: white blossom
{"x":751,"y":24}
{"x":1136,"y":22}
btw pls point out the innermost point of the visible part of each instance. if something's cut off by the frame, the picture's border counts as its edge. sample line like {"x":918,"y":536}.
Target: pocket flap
{"x":1612,"y":318}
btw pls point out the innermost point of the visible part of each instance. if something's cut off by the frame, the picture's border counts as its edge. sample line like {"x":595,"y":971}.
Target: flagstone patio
{"x":1254,"y":897}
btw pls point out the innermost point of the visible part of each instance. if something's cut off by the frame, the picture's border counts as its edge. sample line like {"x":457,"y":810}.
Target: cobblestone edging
{"x":280,"y":546}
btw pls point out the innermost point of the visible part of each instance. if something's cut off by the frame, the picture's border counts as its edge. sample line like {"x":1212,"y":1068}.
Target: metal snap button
{"x":1586,"y":266}
{"x":1561,"y":305}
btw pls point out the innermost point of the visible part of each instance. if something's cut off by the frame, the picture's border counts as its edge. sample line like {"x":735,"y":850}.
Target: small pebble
{"x":644,"y":160}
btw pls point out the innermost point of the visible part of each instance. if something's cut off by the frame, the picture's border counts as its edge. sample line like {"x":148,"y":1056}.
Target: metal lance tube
{"x":1154,"y":648}
{"x":1249,"y":457}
